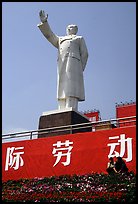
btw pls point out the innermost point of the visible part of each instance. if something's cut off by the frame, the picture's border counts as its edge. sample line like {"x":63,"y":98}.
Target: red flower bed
{"x":76,"y":188}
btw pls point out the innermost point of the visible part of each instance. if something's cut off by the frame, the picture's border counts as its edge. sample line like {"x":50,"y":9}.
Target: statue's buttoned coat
{"x":72,"y":59}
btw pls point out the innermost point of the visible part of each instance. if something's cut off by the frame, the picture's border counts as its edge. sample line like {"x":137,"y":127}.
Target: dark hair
{"x":119,"y":159}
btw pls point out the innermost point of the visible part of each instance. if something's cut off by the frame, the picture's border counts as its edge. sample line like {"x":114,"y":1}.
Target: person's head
{"x":111,"y":159}
{"x":119,"y":159}
{"x":71,"y":29}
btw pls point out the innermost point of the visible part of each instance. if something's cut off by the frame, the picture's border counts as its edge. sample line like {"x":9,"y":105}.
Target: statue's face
{"x":72,"y":29}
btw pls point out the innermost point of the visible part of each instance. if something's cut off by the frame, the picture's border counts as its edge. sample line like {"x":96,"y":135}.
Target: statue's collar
{"x":70,"y":36}
{"x":67,"y":37}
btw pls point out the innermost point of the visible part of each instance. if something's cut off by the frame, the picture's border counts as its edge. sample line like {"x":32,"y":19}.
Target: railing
{"x":95,"y":126}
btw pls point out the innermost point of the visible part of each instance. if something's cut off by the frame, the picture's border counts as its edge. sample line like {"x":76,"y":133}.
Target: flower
{"x":94,"y":187}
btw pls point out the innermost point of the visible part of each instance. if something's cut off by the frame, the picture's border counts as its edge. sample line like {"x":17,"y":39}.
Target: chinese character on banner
{"x":62,"y":150}
{"x":92,"y":119}
{"x":13,"y":158}
{"x":122,"y":142}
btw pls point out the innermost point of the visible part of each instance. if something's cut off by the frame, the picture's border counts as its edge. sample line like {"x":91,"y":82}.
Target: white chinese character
{"x":13,"y":158}
{"x":122,"y":142}
{"x":60,"y":153}
{"x":92,"y":119}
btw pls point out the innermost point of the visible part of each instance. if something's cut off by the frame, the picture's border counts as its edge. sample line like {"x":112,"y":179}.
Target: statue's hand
{"x":43,"y":17}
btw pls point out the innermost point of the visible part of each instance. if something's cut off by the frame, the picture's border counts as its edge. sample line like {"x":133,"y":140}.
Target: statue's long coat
{"x":72,"y":59}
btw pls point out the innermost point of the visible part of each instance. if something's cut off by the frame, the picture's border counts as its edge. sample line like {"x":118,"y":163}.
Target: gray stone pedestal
{"x":56,"y":120}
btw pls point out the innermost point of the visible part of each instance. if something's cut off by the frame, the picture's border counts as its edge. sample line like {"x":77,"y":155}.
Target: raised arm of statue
{"x":46,"y":30}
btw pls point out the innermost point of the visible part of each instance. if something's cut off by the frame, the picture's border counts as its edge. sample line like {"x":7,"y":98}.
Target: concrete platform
{"x":59,"y":119}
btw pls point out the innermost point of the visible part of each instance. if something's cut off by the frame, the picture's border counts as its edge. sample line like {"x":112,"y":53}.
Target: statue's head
{"x":72,"y":29}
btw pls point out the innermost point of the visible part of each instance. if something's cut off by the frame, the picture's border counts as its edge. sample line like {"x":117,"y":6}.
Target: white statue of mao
{"x":72,"y":59}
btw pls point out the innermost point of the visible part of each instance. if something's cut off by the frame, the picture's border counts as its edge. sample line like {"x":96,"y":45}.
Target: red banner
{"x":126,"y":111}
{"x":93,"y":116}
{"x":79,"y":153}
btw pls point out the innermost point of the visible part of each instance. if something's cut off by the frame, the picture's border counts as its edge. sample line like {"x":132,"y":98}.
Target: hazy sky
{"x":29,"y":61}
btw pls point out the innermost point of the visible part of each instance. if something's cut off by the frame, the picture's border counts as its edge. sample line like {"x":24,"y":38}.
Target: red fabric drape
{"x":89,"y":153}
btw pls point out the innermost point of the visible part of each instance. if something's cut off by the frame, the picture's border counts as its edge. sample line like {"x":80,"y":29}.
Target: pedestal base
{"x":56,"y":120}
